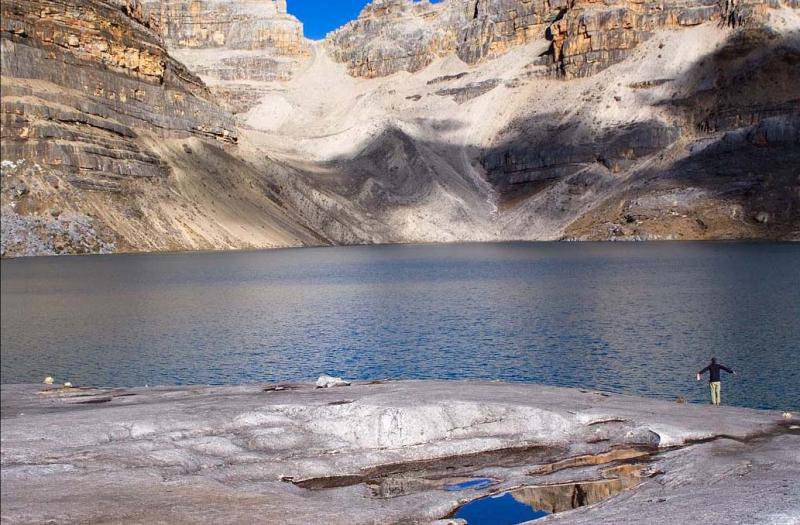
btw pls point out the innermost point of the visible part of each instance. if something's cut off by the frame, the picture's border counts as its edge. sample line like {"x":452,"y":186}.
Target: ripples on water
{"x":632,"y":318}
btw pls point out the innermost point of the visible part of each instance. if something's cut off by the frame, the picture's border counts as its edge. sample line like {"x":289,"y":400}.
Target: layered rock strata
{"x":587,"y":35}
{"x":79,"y":78}
{"x":100,"y":124}
{"x":236,"y":47}
{"x":403,"y":35}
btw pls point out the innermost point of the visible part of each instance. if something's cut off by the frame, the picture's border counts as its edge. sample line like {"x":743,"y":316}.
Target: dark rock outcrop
{"x":548,"y":153}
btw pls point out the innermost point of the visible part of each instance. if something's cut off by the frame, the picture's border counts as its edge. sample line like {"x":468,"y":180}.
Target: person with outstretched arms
{"x":714,"y":379}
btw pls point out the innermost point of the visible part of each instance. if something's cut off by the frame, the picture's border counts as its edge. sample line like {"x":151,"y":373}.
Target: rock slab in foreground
{"x":380,"y":453}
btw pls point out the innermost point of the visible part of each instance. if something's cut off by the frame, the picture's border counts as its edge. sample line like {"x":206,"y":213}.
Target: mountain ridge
{"x":587,"y":120}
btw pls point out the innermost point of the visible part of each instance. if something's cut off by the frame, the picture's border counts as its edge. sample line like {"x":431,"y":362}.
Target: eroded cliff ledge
{"x":586,"y":35}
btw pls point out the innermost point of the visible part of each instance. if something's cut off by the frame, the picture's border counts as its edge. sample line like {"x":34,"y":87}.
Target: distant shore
{"x":14,"y":256}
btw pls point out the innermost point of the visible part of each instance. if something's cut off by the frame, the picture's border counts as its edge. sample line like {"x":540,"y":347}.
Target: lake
{"x":636,"y":318}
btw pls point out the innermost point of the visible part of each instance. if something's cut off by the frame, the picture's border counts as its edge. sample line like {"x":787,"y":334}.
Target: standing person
{"x":714,"y":379}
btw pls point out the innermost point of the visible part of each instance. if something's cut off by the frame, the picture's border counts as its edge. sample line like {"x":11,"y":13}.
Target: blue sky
{"x":321,"y":16}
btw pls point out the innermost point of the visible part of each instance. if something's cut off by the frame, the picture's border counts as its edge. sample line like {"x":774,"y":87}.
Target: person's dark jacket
{"x":713,"y":371}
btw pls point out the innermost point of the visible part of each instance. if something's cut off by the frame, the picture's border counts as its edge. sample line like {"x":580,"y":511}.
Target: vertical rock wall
{"x":234,"y":46}
{"x":587,"y":35}
{"x":80,"y":78}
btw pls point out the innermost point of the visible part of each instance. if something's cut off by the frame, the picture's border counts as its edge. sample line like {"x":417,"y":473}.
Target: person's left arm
{"x":727,"y":369}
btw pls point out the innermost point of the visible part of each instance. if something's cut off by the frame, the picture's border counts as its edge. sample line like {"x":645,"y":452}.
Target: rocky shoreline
{"x":387,"y":452}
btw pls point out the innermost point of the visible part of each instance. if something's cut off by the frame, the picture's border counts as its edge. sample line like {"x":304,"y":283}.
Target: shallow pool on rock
{"x":530,"y":503}
{"x":502,"y":509}
{"x":475,"y":484}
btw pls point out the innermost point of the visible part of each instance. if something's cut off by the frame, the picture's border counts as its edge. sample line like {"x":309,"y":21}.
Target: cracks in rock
{"x":606,"y":421}
{"x":616,"y":454}
{"x":436,"y":468}
{"x":620,"y":468}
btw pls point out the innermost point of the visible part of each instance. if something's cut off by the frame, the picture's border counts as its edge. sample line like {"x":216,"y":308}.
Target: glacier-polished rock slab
{"x":380,"y":453}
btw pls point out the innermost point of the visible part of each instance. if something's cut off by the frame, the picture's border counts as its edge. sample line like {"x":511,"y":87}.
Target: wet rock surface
{"x":294,"y":455}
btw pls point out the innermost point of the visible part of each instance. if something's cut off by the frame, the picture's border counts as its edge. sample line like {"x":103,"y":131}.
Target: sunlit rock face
{"x":402,"y":35}
{"x":234,"y":46}
{"x":459,"y":120}
{"x":586,"y":35}
{"x":100,"y":128}
{"x":78,"y":78}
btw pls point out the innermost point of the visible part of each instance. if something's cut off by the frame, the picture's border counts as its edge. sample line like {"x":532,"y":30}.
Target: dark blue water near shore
{"x":632,"y":318}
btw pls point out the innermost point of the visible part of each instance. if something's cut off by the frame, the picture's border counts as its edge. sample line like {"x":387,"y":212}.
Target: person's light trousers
{"x":716,"y":392}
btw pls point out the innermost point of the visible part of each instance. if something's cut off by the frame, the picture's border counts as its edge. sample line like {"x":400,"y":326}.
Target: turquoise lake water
{"x":638,"y":318}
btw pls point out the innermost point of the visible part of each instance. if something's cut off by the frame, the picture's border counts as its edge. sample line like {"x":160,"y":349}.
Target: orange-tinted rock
{"x":587,"y":36}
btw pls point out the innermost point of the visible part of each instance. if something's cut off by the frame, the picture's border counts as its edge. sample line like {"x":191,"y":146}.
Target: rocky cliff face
{"x":403,"y":35}
{"x":688,"y":75}
{"x":237,"y":47}
{"x":84,"y":73}
{"x":458,"y":120}
{"x":93,"y":110}
{"x":586,"y":35}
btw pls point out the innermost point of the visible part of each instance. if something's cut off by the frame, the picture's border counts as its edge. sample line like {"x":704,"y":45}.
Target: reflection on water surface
{"x":634,"y":318}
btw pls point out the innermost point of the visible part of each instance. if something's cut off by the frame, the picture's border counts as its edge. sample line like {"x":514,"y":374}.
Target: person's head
{"x":713,"y":360}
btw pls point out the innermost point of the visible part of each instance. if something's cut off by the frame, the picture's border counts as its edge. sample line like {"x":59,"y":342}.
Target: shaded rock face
{"x":232,"y":45}
{"x":754,"y":75}
{"x":738,"y":154}
{"x":548,"y":152}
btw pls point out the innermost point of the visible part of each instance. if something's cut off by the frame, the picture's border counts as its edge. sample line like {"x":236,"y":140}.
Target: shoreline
{"x":702,"y":401}
{"x":380,"y":451}
{"x":789,"y":241}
